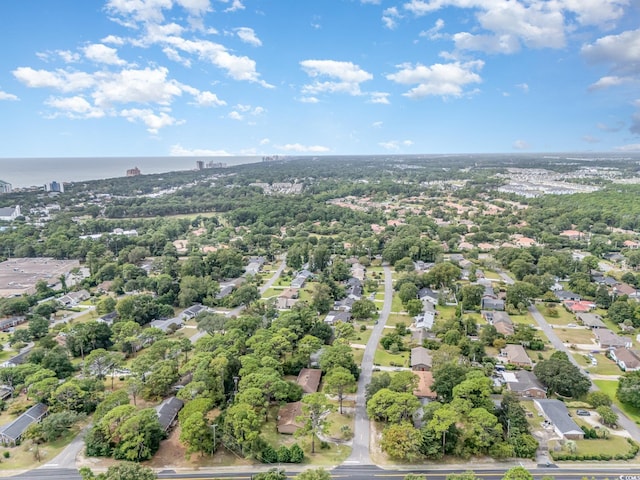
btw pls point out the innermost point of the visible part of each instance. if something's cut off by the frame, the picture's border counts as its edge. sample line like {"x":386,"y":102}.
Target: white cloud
{"x":379,"y":97}
{"x":395,"y":144}
{"x":154,"y":121}
{"x":523,"y":86}
{"x":195,"y":7}
{"x":434,"y":32}
{"x":377,"y":124}
{"x":521,"y":145}
{"x":138,"y":86}
{"x":66,"y":56}
{"x":348,"y":77}
{"x":308,"y":99}
{"x":621,"y":52}
{"x":100,"y":53}
{"x":209,"y":99}
{"x":8,"y":96}
{"x":247,"y":35}
{"x":113,"y":39}
{"x":62,"y":80}
{"x":590,"y":139}
{"x":139,"y":10}
{"x":235,"y":6}
{"x":370,"y":2}
{"x":445,"y":80}
{"x":235,"y":115}
{"x":265,"y":141}
{"x":633,"y":147}
{"x":178,"y":150}
{"x":619,"y":125}
{"x":74,"y":107}
{"x":390,"y":17}
{"x":297,"y":147}
{"x":509,"y":24}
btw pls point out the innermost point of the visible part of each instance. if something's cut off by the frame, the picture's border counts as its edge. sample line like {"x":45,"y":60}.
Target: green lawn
{"x":612,"y":446}
{"x":396,"y":304}
{"x":525,"y":319}
{"x":272,"y":292}
{"x":609,"y":387}
{"x":491,"y":275}
{"x":564,"y":317}
{"x":575,"y":335}
{"x":337,"y":421}
{"x":362,"y":337}
{"x":605,"y":366}
{"x":384,"y":358}
{"x":396,"y":318}
{"x":21,"y":457}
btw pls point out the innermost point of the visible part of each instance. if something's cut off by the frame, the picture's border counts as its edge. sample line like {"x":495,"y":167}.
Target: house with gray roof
{"x":168,"y":412}
{"x":609,"y":340}
{"x":591,"y":320}
{"x":421,"y":359}
{"x":556,"y":412}
{"x":11,"y":433}
{"x":524,"y":384}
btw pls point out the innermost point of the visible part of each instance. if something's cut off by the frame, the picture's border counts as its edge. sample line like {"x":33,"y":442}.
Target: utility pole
{"x":214,"y":437}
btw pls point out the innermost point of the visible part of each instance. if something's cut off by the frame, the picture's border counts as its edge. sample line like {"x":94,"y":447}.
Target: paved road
{"x":624,"y":421}
{"x":66,"y":459}
{"x":625,"y":472}
{"x":362,"y":434}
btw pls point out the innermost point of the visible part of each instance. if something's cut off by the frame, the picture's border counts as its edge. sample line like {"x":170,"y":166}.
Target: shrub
{"x":6,"y":454}
{"x":296,"y":454}
{"x":269,"y":455}
{"x":283,"y":454}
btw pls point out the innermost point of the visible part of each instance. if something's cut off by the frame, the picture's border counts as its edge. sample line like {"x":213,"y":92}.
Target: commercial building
{"x":18,"y":276}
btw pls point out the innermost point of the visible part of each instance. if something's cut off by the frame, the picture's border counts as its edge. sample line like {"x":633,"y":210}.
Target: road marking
{"x":351,"y":461}
{"x":50,"y":464}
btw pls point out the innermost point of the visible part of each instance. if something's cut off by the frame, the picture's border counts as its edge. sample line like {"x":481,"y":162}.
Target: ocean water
{"x":25,"y":172}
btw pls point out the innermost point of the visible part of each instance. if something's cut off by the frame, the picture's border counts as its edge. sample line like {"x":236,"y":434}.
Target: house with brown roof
{"x":421,"y":359}
{"x":516,"y":355}
{"x":309,"y":379}
{"x":287,"y":299}
{"x":625,"y":289}
{"x":287,"y":415}
{"x":425,"y":382}
{"x":627,"y":360}
{"x":500,"y":320}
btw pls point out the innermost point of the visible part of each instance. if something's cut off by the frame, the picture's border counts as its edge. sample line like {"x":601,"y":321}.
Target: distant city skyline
{"x":331,"y":77}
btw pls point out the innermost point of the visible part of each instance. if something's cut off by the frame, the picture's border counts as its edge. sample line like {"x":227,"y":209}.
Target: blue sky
{"x":313,"y":77}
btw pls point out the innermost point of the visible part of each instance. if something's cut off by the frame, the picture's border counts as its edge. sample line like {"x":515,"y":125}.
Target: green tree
{"x":563,"y":377}
{"x":597,"y":399}
{"x":338,"y":382}
{"x":517,"y":473}
{"x":521,"y":293}
{"x":628,"y":388}
{"x":446,"y":377}
{"x":408,"y":291}
{"x":607,"y":416}
{"x":402,"y":441}
{"x":211,"y":322}
{"x":121,"y":471}
{"x":197,"y":434}
{"x":38,"y":326}
{"x":241,"y":426}
{"x":106,"y":305}
{"x":394,"y":407}
{"x":313,"y":474}
{"x":404,"y":382}
{"x":315,"y":407}
{"x":363,"y":309}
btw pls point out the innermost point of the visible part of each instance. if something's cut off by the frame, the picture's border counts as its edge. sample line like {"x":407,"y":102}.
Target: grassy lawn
{"x":564,"y":317}
{"x":446,"y":311}
{"x":491,"y":275}
{"x":384,"y":358}
{"x":396,"y":304}
{"x":379,"y":296}
{"x":337,"y":421}
{"x":22,"y":457}
{"x":358,"y":354}
{"x":605,"y":366}
{"x":612,"y":446}
{"x":272,"y":292}
{"x":362,"y":337}
{"x":525,"y":319}
{"x":396,"y":318}
{"x":609,"y":387}
{"x":575,"y":335}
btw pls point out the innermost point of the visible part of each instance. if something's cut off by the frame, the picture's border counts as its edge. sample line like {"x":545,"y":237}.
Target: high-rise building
{"x":199,"y":165}
{"x":132,"y":172}
{"x":55,"y":187}
{"x":5,"y":187}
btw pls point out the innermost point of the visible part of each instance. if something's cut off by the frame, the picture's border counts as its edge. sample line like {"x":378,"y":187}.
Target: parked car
{"x":583,"y":413}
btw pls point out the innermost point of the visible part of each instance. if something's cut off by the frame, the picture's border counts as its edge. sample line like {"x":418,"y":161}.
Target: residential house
{"x":500,"y":320}
{"x":301,"y":278}
{"x":571,"y":234}
{"x":591,"y":320}
{"x":8,"y":214}
{"x":627,"y":360}
{"x":425,"y":382}
{"x":335,"y":316}
{"x":421,"y":359}
{"x":254,"y":266}
{"x":168,"y":412}
{"x":8,"y":323}
{"x":309,"y":379}
{"x":563,"y":295}
{"x":425,"y":319}
{"x":72,"y":299}
{"x":11,"y":433}
{"x":18,"y":359}
{"x":631,"y":244}
{"x":516,"y":355}
{"x":491,"y":303}
{"x":225,"y":290}
{"x":581,"y":306}
{"x":5,"y":392}
{"x":287,"y":299}
{"x":168,"y":324}
{"x":193,"y":311}
{"x":608,"y":340}
{"x":556,"y":412}
{"x":426,"y":295}
{"x":287,"y":418}
{"x":524,"y":384}
{"x":625,"y":289}
{"x":108,"y":318}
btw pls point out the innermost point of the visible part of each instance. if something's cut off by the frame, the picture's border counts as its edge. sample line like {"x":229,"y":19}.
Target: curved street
{"x":362,"y":432}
